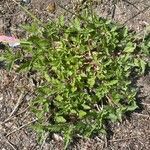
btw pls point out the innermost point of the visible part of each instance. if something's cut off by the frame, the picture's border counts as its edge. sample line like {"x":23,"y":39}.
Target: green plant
{"x":86,"y":67}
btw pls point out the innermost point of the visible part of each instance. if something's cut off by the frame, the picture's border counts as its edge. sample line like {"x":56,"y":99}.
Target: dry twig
{"x":21,"y":127}
{"x":45,"y":137}
{"x":15,"y":108}
{"x":9,"y":143}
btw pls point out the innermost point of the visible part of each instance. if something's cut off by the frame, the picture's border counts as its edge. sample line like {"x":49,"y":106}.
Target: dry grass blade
{"x":25,"y":125}
{"x":142,"y":11}
{"x":118,"y":140}
{"x":15,"y":108}
{"x":28,"y":12}
{"x":142,"y":115}
{"x":130,"y":4}
{"x":45,"y":137}
{"x":10,"y":144}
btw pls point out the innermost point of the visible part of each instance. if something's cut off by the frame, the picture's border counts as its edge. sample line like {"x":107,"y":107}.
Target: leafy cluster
{"x":86,"y":67}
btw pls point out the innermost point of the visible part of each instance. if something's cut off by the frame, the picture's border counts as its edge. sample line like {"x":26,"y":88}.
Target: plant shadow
{"x":2,"y":63}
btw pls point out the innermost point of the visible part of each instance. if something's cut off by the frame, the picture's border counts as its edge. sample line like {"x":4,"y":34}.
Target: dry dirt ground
{"x":16,"y":89}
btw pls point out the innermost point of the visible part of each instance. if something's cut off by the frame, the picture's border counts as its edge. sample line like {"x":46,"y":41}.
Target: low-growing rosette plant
{"x":86,"y":66}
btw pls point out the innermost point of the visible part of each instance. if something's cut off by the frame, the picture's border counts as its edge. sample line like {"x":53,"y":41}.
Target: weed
{"x":86,"y":68}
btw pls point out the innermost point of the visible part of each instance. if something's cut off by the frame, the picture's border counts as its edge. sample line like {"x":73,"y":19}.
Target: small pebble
{"x":1,"y":97}
{"x":97,"y":139}
{"x":57,"y":137}
{"x":1,"y":106}
{"x":9,"y":125}
{"x":27,"y":97}
{"x":9,"y":110}
{"x":26,"y":1}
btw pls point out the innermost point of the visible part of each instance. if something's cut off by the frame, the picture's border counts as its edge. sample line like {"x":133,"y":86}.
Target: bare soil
{"x":16,"y":90}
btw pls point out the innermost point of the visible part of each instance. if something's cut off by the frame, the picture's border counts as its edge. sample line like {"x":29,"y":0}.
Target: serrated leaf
{"x":113,"y":117}
{"x":32,"y":28}
{"x":132,"y":107}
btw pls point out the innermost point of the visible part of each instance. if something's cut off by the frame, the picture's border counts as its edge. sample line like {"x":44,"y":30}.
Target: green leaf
{"x":60,"y":119}
{"x":82,"y":113}
{"x":130,"y":47}
{"x":91,"y":81}
{"x":46,"y":107}
{"x":132,"y":106}
{"x":47,"y":77}
{"x":136,"y":62}
{"x":73,"y":111}
{"x":59,"y":98}
{"x":77,"y":23}
{"x":32,"y":28}
{"x":125,"y":31}
{"x":143,"y":65}
{"x":86,"y":107}
{"x":25,"y":67}
{"x":73,"y":89}
{"x":113,"y":117}
{"x":112,"y":82}
{"x":61,"y":20}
